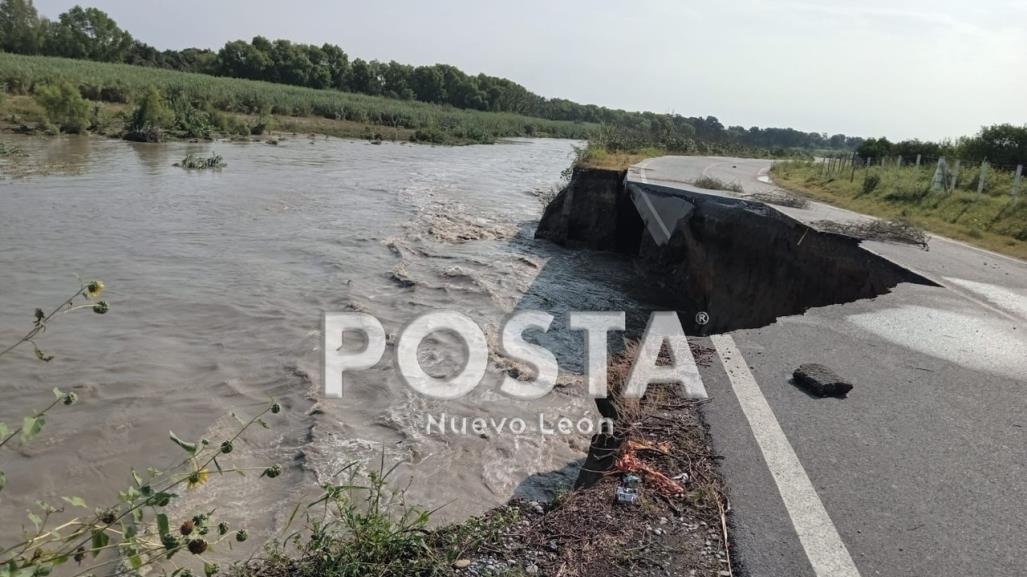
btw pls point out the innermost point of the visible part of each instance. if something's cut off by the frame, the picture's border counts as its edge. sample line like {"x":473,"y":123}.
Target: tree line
{"x":89,"y":33}
{"x":1002,"y":145}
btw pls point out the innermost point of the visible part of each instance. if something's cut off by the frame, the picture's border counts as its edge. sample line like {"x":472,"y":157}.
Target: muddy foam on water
{"x":217,"y":281}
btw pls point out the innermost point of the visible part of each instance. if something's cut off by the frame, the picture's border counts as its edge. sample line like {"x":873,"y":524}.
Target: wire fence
{"x":922,"y":174}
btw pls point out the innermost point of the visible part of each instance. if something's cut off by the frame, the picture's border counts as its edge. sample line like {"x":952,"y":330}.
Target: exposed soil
{"x":886,"y":230}
{"x":739,"y":261}
{"x":668,"y":531}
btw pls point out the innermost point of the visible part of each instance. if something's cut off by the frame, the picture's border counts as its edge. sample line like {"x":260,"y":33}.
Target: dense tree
{"x":875,"y":148}
{"x":363,"y":77}
{"x":20,"y":27}
{"x":87,"y":33}
{"x":241,"y":59}
{"x":429,"y":84}
{"x":91,"y":34}
{"x":1003,"y":145}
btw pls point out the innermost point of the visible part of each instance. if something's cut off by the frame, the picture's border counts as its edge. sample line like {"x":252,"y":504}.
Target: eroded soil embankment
{"x":743,"y":263}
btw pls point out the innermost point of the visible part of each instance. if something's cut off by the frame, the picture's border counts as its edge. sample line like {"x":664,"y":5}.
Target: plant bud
{"x":197,"y":546}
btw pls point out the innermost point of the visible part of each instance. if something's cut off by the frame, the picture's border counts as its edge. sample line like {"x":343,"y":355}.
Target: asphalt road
{"x":921,"y":470}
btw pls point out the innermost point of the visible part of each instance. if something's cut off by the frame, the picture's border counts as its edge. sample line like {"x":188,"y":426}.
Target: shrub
{"x":265,"y":123}
{"x":195,"y":161}
{"x":870,"y":183}
{"x":65,"y":108}
{"x":712,"y":183}
{"x":151,"y":113}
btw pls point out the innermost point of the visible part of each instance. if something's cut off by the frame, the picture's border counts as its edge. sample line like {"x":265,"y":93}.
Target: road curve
{"x":921,"y":470}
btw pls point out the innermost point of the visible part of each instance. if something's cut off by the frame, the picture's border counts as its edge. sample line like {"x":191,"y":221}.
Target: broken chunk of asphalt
{"x":821,"y":381}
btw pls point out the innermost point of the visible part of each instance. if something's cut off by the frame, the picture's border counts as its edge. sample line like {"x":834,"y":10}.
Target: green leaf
{"x":135,"y":561}
{"x":57,"y":393}
{"x":135,"y":477}
{"x":100,"y":540}
{"x":3,"y":480}
{"x":75,"y":502}
{"x":31,"y":426}
{"x":209,"y":569}
{"x":163,"y":527}
{"x":4,"y":431}
{"x":189,"y":447}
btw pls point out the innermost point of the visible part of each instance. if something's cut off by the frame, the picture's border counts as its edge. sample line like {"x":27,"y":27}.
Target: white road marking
{"x":968,"y":339}
{"x":819,"y":537}
{"x":656,"y":217}
{"x":652,"y":209}
{"x":1002,"y":297}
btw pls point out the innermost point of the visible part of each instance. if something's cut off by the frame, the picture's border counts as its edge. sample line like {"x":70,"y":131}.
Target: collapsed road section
{"x":741,"y":262}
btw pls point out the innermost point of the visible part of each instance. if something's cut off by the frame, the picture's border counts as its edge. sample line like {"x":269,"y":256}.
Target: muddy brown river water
{"x":217,"y":281}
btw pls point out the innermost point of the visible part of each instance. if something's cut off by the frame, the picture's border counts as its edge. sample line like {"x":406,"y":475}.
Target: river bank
{"x":197,"y":100}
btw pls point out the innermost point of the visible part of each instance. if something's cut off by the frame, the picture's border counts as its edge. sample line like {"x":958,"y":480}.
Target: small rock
{"x":462,"y":564}
{"x":821,"y":381}
{"x":531,"y":570}
{"x":537,"y":507}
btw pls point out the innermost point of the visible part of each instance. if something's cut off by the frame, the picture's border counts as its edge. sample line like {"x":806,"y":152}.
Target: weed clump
{"x":885,"y":230}
{"x":65,"y":108}
{"x":712,"y":183}
{"x":197,"y":162}
{"x":870,"y":183}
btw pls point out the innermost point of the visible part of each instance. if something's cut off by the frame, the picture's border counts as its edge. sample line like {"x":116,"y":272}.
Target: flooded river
{"x":217,"y":281}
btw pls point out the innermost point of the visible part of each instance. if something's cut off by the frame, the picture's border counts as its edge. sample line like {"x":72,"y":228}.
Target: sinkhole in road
{"x":741,"y":262}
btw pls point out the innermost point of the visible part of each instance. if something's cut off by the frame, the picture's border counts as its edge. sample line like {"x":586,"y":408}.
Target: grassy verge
{"x":352,"y":113}
{"x":994,"y":220}
{"x":23,"y":114}
{"x":595,"y":156}
{"x":676,"y":524}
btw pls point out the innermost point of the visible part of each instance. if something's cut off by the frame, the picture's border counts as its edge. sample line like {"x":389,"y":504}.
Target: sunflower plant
{"x":139,"y":530}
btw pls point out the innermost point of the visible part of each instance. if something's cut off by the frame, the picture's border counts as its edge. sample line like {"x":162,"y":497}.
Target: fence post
{"x":940,"y":179}
{"x":980,"y":177}
{"x":1016,"y":180}
{"x":852,"y":175}
{"x":955,"y":177}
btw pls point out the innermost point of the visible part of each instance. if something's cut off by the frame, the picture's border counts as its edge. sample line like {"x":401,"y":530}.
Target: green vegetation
{"x":197,"y":162}
{"x":1002,"y":145}
{"x":65,"y":108}
{"x":361,"y":115}
{"x":151,"y":116}
{"x":88,"y":33}
{"x":994,"y":219}
{"x":352,"y":527}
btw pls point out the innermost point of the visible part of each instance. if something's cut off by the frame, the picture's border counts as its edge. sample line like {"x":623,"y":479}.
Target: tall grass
{"x":994,"y":219}
{"x":124,"y":83}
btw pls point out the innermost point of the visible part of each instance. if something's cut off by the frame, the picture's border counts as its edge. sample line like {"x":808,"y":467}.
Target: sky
{"x":899,"y":68}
